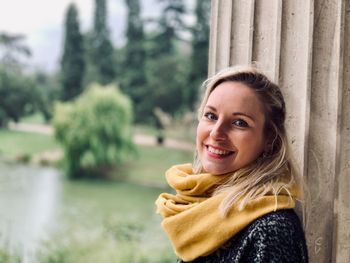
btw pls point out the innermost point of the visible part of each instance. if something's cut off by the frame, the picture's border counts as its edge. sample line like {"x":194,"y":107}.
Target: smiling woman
{"x":235,"y":204}
{"x":230,"y":132}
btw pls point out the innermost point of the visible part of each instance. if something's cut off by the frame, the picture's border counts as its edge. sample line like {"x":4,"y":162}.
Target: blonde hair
{"x":274,"y":171}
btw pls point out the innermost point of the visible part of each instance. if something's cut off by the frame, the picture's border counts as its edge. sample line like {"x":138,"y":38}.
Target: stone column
{"x":304,"y":46}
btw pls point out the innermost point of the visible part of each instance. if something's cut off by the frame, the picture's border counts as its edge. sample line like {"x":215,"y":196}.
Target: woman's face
{"x":230,"y":133}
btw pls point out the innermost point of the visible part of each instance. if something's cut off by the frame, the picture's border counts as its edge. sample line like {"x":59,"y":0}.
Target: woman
{"x":236,"y":203}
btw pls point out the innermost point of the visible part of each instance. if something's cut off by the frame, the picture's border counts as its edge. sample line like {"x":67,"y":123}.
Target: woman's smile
{"x":217,"y":152}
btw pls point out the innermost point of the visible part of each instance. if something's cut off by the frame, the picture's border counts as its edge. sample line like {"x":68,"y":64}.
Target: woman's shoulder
{"x":282,"y":221}
{"x":275,"y":237}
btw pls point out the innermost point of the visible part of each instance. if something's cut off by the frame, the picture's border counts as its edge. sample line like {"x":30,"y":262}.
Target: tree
{"x":13,"y":49}
{"x":49,"y":90}
{"x":18,"y":92}
{"x":133,"y":75}
{"x":170,"y":24}
{"x":200,"y":46}
{"x":166,"y":65}
{"x":73,"y":62}
{"x":167,"y":82}
{"x":18,"y":95}
{"x":95,"y":131}
{"x":101,"y":48}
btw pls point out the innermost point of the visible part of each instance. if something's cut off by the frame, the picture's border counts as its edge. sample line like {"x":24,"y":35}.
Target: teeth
{"x":216,"y":151}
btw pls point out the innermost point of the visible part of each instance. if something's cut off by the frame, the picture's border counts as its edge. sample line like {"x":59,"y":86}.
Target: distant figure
{"x":235,"y":203}
{"x":162,"y":121}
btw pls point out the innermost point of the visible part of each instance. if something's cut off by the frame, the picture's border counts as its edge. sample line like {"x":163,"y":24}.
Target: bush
{"x":95,"y":131}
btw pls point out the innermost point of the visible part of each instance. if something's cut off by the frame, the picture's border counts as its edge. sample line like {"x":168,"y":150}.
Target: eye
{"x":240,"y":123}
{"x":210,"y":116}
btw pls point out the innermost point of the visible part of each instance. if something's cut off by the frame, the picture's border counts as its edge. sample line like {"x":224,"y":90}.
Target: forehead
{"x":235,"y":96}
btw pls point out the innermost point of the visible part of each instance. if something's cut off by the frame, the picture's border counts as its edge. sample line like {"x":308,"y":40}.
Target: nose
{"x":218,"y":132}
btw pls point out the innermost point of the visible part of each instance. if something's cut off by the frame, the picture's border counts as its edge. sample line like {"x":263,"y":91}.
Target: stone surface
{"x":304,"y":45}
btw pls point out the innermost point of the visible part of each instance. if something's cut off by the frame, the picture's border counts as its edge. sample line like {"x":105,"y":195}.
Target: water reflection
{"x":28,"y":197}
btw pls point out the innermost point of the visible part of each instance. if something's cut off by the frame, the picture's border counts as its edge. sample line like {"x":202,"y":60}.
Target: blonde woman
{"x":235,"y":203}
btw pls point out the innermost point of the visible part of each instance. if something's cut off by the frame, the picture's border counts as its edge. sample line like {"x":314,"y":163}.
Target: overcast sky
{"x":42,"y":23}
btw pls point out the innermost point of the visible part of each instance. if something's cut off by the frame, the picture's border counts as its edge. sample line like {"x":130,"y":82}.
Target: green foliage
{"x":167,"y":79}
{"x":133,"y":72}
{"x":200,"y":46}
{"x":95,"y":131}
{"x":170,"y":24}
{"x":13,"y":49}
{"x":100,"y":47}
{"x":49,"y":90}
{"x":18,"y":95}
{"x":153,"y":67}
{"x":72,"y":63}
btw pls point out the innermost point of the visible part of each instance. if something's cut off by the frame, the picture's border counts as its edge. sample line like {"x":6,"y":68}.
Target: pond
{"x":28,"y":196}
{"x":42,"y":213}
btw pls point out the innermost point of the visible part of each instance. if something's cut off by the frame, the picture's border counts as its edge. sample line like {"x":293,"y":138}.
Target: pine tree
{"x":170,"y":25}
{"x":72,"y":63}
{"x":200,"y":45}
{"x":135,"y":55}
{"x":166,"y":67}
{"x":12,"y":49}
{"x":101,"y":47}
{"x":134,"y":75}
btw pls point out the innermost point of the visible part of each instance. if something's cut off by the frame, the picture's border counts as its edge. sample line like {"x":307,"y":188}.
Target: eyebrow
{"x":235,"y":113}
{"x":243,"y":114}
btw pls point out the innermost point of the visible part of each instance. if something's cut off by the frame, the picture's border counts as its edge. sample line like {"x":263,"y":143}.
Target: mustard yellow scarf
{"x":191,"y":217}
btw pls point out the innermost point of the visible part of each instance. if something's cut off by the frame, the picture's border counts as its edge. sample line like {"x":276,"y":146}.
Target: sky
{"x":41,"y":21}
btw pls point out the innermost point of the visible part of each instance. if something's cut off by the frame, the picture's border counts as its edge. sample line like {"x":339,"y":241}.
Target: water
{"x":41,"y":212}
{"x":28,"y":197}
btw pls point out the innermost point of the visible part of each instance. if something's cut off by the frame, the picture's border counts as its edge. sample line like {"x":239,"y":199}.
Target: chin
{"x":216,"y":170}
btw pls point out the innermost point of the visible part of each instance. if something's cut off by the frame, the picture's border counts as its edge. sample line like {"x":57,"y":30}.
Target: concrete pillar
{"x":304,"y":45}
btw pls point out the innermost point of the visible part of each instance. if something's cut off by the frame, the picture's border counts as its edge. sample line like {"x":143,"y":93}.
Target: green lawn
{"x":151,"y":163}
{"x":15,"y":143}
{"x":181,"y":132}
{"x":34,"y":118}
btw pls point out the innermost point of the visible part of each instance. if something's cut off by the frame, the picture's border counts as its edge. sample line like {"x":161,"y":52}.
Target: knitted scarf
{"x":191,"y":217}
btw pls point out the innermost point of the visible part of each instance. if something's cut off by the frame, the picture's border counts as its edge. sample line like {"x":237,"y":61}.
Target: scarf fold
{"x":191,"y":217}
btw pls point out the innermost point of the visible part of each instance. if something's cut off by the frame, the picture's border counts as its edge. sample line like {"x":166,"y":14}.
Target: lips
{"x":218,"y":152}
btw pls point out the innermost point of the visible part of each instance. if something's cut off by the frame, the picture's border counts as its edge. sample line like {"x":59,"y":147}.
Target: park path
{"x":140,"y":139}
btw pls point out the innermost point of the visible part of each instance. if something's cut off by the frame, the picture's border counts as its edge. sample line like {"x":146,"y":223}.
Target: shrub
{"x":95,"y":131}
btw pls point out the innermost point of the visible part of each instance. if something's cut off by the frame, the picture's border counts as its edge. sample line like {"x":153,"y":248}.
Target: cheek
{"x":201,"y":135}
{"x":251,"y":143}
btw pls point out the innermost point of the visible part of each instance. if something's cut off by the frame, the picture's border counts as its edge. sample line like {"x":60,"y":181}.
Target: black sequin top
{"x":274,"y":237}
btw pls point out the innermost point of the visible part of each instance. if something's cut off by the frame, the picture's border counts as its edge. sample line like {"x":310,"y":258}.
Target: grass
{"x":152,"y":162}
{"x":145,"y":129}
{"x":180,"y":132}
{"x":36,"y":118}
{"x":14,"y":144}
